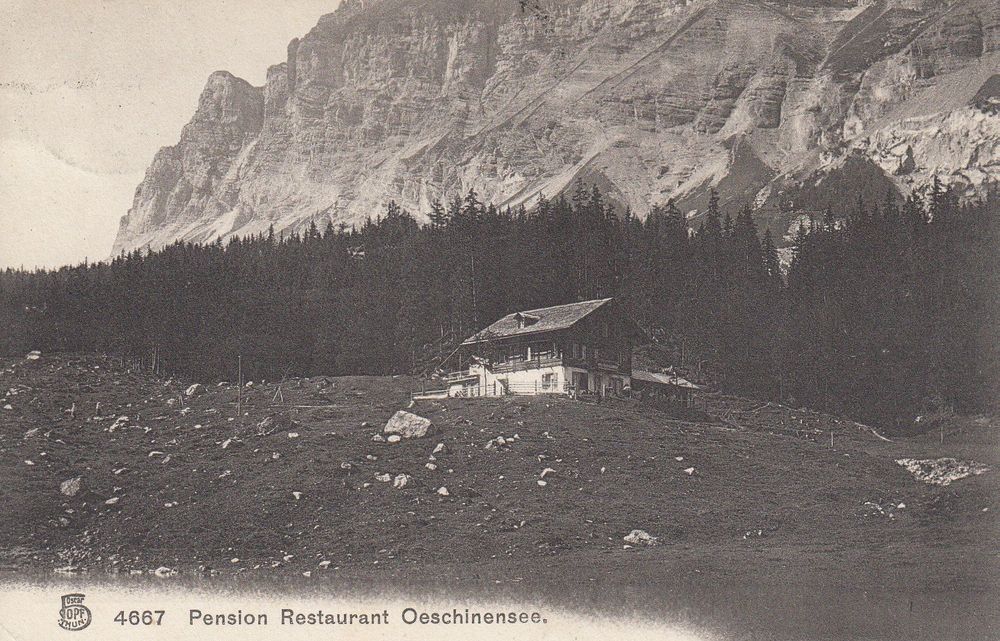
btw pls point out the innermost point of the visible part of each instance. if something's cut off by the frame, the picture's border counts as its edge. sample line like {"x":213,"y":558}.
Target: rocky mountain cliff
{"x":787,"y":104}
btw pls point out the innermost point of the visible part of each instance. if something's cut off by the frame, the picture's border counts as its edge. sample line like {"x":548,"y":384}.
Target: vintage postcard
{"x":500,"y":319}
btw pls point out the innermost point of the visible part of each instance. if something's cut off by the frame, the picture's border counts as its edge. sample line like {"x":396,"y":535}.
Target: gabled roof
{"x":546,"y":319}
{"x":663,"y":379}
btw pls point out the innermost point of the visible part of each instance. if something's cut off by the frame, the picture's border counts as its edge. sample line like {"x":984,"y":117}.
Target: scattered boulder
{"x":33,"y":355}
{"x":121,"y":421}
{"x":408,"y":425}
{"x":431,"y":466}
{"x":443,"y":491}
{"x":70,"y":487}
{"x":641,"y":537}
{"x":394,"y":438}
{"x":547,"y":472}
{"x":383,"y":478}
{"x":378,"y":438}
{"x":193,"y":390}
{"x":112,"y":500}
{"x":440,"y":448}
{"x":163,"y":571}
{"x":401,"y":481}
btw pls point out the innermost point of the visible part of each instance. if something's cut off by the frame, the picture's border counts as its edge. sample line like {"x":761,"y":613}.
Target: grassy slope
{"x":818,"y":536}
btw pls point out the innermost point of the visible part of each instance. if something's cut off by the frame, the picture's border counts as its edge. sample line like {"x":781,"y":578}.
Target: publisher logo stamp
{"x":74,"y":615}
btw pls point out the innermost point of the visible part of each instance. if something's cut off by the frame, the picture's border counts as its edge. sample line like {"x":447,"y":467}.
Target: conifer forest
{"x":878,"y":311}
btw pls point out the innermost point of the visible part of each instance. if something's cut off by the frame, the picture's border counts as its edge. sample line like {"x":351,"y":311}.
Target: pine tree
{"x":772,"y":262}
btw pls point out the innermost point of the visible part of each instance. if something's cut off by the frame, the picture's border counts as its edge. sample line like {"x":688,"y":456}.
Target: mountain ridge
{"x":411,"y":101}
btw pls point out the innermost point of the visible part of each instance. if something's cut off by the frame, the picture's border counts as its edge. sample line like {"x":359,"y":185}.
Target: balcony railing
{"x":537,"y":362}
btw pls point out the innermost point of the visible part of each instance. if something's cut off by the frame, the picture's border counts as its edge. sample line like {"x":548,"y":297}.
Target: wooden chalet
{"x":578,"y":348}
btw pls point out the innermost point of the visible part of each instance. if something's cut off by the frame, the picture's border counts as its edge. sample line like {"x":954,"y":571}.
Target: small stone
{"x":431,"y":466}
{"x":394,"y":438}
{"x":440,"y":448}
{"x":378,"y":438}
{"x":383,"y":478}
{"x":194,"y":389}
{"x":297,"y":495}
{"x":401,"y":481}
{"x":689,"y":471}
{"x":293,"y":435}
{"x":443,"y":491}
{"x":112,"y":500}
{"x":542,"y":483}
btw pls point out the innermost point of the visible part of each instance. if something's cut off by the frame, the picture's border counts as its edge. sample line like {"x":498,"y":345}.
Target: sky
{"x":90,"y":89}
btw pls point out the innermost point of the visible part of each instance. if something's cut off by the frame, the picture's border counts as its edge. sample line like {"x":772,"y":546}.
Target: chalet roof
{"x":663,"y":379}
{"x":546,"y":319}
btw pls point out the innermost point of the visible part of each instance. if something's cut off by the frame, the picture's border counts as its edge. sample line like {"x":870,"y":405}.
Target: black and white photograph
{"x":420,"y":320}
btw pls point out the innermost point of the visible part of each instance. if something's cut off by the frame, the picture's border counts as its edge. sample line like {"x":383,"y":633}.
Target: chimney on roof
{"x":525,"y":320}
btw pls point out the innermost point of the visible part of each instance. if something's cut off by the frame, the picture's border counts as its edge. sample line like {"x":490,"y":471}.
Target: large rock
{"x":941,"y":471}
{"x":408,"y":425}
{"x":650,"y":99}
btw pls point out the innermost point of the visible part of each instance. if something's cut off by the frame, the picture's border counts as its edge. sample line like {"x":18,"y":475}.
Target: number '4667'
{"x":135,"y":617}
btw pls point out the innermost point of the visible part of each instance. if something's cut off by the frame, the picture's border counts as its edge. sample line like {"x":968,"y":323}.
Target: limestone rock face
{"x":411,"y":100}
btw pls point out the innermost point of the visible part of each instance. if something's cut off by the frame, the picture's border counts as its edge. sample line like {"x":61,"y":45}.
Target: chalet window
{"x":583,"y":351}
{"x":548,"y":381}
{"x":576,"y":350}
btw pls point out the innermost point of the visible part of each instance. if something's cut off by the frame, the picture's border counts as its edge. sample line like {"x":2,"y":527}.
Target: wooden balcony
{"x":537,"y":362}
